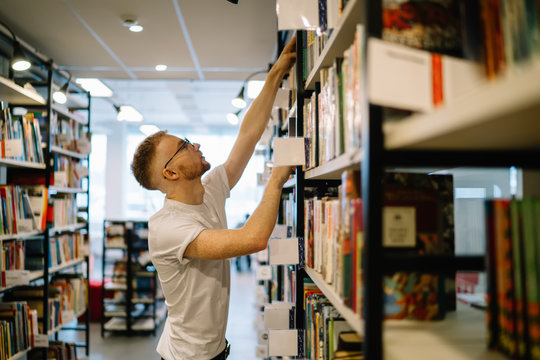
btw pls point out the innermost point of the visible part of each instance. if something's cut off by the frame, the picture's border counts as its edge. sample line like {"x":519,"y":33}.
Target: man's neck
{"x":188,"y":192}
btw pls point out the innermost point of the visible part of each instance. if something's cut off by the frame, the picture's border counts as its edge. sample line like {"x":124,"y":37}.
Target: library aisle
{"x":240,"y":331}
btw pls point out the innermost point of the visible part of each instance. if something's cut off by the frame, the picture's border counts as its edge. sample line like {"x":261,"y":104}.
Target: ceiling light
{"x":19,"y":61}
{"x":128,"y":113}
{"x":239,"y":101}
{"x":161,"y":67}
{"x":254,"y":88}
{"x":148,"y":129}
{"x":232,"y":118}
{"x":60,"y":96}
{"x":95,"y":87}
{"x":132,"y":25}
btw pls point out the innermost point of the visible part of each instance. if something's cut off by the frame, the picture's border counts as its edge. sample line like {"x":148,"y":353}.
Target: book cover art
{"x":415,"y":296}
{"x":432,"y":25}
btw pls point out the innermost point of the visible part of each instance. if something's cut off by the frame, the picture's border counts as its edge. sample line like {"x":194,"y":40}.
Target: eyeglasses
{"x":186,"y":142}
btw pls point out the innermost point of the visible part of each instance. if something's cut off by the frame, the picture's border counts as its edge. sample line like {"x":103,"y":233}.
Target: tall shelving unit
{"x":137,"y":303}
{"x":494,"y":127}
{"x":62,"y":234}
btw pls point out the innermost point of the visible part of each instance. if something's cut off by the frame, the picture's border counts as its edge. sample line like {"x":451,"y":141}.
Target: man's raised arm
{"x":258,"y":115}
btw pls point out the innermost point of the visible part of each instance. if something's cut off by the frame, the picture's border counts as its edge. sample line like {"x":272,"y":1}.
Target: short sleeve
{"x":172,"y":239}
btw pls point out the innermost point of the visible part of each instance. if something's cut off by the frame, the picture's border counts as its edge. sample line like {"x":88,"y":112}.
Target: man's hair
{"x":143,"y":157}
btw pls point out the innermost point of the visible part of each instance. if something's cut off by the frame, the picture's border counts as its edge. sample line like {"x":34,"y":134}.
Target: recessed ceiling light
{"x":148,"y":129}
{"x":132,"y":25}
{"x":128,"y":113}
{"x":161,"y":67}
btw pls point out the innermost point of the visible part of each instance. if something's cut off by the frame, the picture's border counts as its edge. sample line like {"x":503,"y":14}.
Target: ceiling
{"x":209,"y":46}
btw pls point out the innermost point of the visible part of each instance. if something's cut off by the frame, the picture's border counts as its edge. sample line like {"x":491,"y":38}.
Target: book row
{"x":18,"y":326}
{"x":20,"y":136}
{"x":69,"y":134}
{"x":513,"y":234}
{"x":328,"y":335}
{"x":57,"y":350}
{"x":333,"y":113}
{"x":417,"y":221}
{"x":67,"y":299}
{"x":16,"y":212}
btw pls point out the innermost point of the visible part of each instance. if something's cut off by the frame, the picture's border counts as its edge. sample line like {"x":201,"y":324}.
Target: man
{"x":188,"y":239}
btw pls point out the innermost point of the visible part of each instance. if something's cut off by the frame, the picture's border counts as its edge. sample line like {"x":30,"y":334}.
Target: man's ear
{"x":169,"y":174}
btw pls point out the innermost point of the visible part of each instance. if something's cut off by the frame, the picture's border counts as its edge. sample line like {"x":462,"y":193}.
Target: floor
{"x":240,"y":330}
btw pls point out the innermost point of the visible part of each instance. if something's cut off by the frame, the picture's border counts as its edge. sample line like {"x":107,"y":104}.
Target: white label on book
{"x":261,"y":351}
{"x":17,"y":277}
{"x":261,"y":299}
{"x":283,"y":251}
{"x":262,"y":256}
{"x":83,"y":146}
{"x":13,"y":147}
{"x":289,"y":151}
{"x":25,"y":225}
{"x":41,"y":340}
{"x":282,"y":342}
{"x":67,"y":316}
{"x":60,"y":179}
{"x":80,"y":172}
{"x":262,"y":337}
{"x":62,"y":139}
{"x":264,"y":272}
{"x":282,"y":99}
{"x":298,"y":14}
{"x":260,"y":290}
{"x":399,"y":226}
{"x":258,"y":324}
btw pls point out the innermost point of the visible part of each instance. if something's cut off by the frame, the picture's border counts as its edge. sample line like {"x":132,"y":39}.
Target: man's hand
{"x":287,"y":58}
{"x":282,"y":173}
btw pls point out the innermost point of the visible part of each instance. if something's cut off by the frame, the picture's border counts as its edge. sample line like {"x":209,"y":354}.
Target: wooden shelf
{"x":341,"y":39}
{"x":66,"y":190}
{"x":462,"y":335}
{"x":21,"y":164}
{"x":18,"y":95}
{"x":64,"y":111}
{"x":353,"y":319}
{"x":21,"y":235}
{"x":74,"y":154}
{"x":72,"y":227}
{"x":20,"y":354}
{"x":334,"y":168}
{"x":66,"y":265}
{"x":500,"y":115}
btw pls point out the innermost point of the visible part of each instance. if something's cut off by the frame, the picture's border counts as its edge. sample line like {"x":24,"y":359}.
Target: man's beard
{"x":192,"y":173}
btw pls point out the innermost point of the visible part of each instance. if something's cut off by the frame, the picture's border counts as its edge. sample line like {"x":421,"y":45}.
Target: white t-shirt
{"x":196,"y":291}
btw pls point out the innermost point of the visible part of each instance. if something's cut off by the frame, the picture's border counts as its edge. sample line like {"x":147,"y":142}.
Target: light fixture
{"x":254,"y":88}
{"x":238,"y":101}
{"x":132,"y":25}
{"x":161,"y":67}
{"x":232,"y":118}
{"x":148,"y":129}
{"x":19,"y":61}
{"x":95,"y":87}
{"x":60,"y":96}
{"x":128,"y":113}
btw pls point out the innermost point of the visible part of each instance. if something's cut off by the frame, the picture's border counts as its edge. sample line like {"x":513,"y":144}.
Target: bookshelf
{"x":493,"y":126}
{"x":131,"y":299}
{"x":53,"y":260}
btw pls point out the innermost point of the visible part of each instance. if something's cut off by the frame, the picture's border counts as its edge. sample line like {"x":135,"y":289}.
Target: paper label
{"x":289,"y":151}
{"x":60,"y":179}
{"x":262,"y":256}
{"x":17,"y":277}
{"x":68,"y":316}
{"x":13,"y":147}
{"x":80,"y":172}
{"x":41,"y":340}
{"x":261,"y":351}
{"x":283,"y":251}
{"x":84,"y":146}
{"x":262,"y":337}
{"x":264,"y":272}
{"x":399,"y":226}
{"x":25,"y":225}
{"x":62,"y":139}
